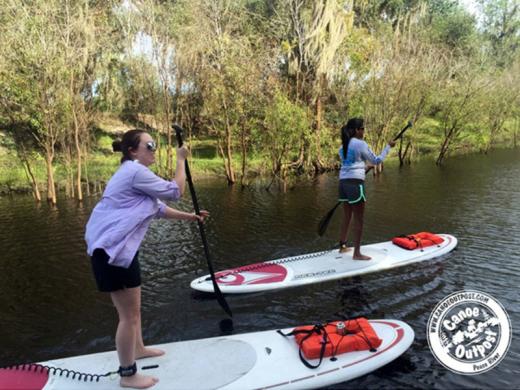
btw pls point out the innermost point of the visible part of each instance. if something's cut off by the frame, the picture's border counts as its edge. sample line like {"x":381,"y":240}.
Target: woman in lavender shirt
{"x":114,"y":232}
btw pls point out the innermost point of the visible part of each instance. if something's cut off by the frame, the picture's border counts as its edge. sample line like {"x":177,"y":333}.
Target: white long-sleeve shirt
{"x":353,"y":166}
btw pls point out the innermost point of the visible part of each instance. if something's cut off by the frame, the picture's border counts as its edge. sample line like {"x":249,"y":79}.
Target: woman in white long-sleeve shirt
{"x":354,"y":153}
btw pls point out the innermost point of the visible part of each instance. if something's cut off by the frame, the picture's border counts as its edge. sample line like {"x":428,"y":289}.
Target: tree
{"x":501,"y":25}
{"x":226,"y":71}
{"x":504,"y":87}
{"x":285,"y":122}
{"x":317,"y":30}
{"x":33,"y":47}
{"x":458,"y":105}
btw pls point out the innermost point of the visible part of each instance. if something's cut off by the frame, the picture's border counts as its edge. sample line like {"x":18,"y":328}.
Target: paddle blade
{"x":324,"y":223}
{"x":408,"y":125}
{"x":220,"y":297}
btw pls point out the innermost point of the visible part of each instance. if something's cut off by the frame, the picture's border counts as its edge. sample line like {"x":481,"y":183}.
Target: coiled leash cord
{"x":76,"y":375}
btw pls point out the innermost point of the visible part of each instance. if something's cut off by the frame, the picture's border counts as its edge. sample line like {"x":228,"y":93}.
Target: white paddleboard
{"x":318,"y":267}
{"x":257,"y":360}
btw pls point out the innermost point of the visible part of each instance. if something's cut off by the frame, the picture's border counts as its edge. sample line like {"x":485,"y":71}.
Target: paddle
{"x":220,"y":298}
{"x":324,"y":222}
{"x":399,"y":135}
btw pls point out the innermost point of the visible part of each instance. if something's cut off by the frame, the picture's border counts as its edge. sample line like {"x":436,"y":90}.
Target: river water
{"x":50,"y":308}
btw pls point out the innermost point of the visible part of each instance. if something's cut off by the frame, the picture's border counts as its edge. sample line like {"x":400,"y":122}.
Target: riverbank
{"x":102,"y":163}
{"x":205,"y":161}
{"x":100,"y":168}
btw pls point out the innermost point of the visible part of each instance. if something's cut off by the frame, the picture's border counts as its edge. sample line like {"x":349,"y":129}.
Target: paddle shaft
{"x":220,"y":298}
{"x":399,"y":135}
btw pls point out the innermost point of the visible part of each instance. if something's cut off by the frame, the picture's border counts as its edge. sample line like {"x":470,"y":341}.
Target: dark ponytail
{"x":131,"y":140}
{"x":348,"y":131}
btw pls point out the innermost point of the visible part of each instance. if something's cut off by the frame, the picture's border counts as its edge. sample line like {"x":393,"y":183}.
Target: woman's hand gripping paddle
{"x":324,"y":222}
{"x":220,"y":297}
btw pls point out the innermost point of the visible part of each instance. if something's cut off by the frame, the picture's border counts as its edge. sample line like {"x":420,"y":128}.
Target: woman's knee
{"x":128,"y":305}
{"x":130,"y":316}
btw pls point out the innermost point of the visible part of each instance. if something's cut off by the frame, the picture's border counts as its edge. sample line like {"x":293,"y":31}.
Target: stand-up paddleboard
{"x":257,"y":360}
{"x":319,"y":267}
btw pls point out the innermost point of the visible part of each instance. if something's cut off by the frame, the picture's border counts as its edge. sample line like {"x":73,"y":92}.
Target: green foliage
{"x":453,"y":26}
{"x":287,"y":127}
{"x":500,"y":21}
{"x":263,"y":86}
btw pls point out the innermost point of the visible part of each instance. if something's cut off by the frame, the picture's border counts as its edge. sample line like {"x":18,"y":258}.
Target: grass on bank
{"x":102,"y":163}
{"x":205,"y":161}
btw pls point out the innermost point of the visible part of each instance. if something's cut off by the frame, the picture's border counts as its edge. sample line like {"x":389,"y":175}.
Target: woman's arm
{"x":171,"y":213}
{"x":368,"y":155}
{"x":149,"y":183}
{"x":180,"y":170}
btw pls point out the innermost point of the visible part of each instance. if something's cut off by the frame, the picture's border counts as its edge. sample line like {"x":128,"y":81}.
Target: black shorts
{"x":110,"y":278}
{"x":352,"y":191}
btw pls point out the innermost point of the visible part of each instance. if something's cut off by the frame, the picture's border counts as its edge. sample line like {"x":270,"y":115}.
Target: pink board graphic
{"x":22,"y":379}
{"x":266,"y":273}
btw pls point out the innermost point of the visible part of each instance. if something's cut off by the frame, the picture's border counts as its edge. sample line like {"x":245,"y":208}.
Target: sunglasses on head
{"x":151,"y":146}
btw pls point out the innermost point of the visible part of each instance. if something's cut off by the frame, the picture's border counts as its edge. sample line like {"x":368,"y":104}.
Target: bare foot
{"x":361,"y":257}
{"x":148,"y":352}
{"x":138,"y":381}
{"x":344,"y":249}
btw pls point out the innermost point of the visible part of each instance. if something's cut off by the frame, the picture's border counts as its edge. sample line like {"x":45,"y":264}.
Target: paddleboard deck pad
{"x":319,"y":267}
{"x":258,"y":360}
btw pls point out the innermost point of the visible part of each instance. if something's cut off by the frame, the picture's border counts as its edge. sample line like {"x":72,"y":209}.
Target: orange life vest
{"x":418,"y":240}
{"x":358,"y":336}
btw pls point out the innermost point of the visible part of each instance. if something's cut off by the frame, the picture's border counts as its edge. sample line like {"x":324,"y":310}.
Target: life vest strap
{"x":318,"y":329}
{"x":326,"y":342}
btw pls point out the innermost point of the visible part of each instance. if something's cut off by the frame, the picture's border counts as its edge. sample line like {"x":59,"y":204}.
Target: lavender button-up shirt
{"x":130,"y":201}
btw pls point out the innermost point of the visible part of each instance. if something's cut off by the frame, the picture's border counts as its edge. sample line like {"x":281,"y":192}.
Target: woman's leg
{"x":128,"y":305}
{"x":141,"y":351}
{"x":358,"y":210}
{"x":345,"y":222}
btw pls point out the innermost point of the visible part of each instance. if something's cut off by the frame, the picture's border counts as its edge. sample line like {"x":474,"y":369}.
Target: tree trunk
{"x":244,"y":157}
{"x":51,"y":188}
{"x":87,"y":182}
{"x":30,"y":176}
{"x":69,"y":184}
{"x":515,"y":132}
{"x":403,"y":155}
{"x":229,"y":156}
{"x":318,"y":163}
{"x":169,"y":157}
{"x":442,"y":152}
{"x":228,"y":168}
{"x":159,"y":155}
{"x":227,"y":153}
{"x":78,"y":155}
